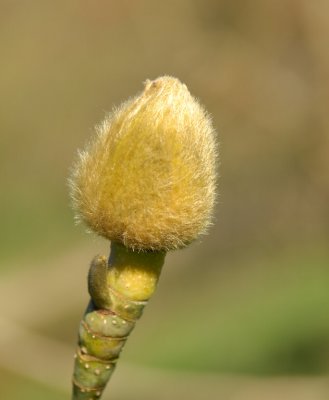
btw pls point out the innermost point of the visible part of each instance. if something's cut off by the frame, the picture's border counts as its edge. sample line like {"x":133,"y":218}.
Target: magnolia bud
{"x":148,"y":178}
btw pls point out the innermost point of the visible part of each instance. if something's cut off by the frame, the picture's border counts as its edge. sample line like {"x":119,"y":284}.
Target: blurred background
{"x":243,"y":314}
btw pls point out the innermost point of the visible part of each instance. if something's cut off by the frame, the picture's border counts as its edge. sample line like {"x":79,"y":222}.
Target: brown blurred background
{"x":243,"y":314}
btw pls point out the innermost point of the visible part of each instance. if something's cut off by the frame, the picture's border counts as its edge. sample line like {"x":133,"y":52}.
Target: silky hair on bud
{"x":148,"y":177}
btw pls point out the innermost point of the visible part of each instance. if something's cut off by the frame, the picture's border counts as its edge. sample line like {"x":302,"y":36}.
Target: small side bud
{"x":148,"y":178}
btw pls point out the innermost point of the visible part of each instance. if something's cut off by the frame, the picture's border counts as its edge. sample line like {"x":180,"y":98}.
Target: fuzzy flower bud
{"x":148,"y":178}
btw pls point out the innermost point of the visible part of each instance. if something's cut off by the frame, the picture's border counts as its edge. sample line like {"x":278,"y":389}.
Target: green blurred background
{"x":243,"y":313}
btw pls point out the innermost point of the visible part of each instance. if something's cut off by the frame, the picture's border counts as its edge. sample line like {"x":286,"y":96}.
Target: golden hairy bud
{"x":148,"y":178}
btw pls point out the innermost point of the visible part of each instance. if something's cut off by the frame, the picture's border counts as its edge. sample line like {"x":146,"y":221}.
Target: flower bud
{"x":148,"y":178}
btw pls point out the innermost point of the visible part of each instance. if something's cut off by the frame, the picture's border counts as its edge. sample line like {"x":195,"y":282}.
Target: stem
{"x":119,"y":290}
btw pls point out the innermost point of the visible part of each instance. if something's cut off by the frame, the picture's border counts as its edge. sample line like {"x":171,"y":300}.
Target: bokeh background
{"x":243,"y":314}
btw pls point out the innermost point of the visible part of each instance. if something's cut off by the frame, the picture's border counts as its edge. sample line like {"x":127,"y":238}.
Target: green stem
{"x":119,"y":290}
